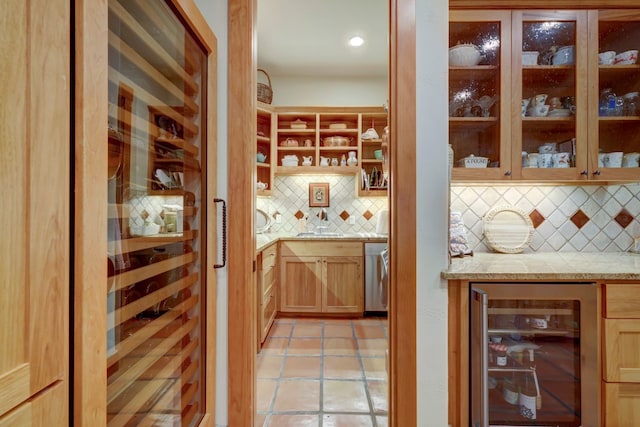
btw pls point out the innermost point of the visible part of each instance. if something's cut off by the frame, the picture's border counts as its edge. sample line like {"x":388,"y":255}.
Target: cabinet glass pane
{"x":474,"y":94}
{"x":549,"y":94}
{"x":157,"y":116}
{"x":534,"y":362}
{"x":618,"y":103}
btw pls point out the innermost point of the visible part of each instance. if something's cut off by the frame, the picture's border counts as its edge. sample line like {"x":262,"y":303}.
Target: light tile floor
{"x":323,"y":373}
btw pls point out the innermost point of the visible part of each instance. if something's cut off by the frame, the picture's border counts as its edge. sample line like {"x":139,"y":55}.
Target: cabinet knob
{"x":584,"y":172}
{"x":596,"y":172}
{"x":507,"y":173}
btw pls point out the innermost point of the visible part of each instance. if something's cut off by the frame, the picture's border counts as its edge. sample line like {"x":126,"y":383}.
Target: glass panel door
{"x":618,"y":141}
{"x":550,"y":101}
{"x":542,"y":354}
{"x":479,"y":94}
{"x":156,"y":251}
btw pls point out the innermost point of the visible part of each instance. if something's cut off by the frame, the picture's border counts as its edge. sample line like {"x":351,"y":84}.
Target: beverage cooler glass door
{"x":533,"y":358}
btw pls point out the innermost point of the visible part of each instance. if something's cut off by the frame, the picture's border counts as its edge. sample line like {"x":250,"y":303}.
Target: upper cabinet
{"x":544,"y":98}
{"x":265,"y":165}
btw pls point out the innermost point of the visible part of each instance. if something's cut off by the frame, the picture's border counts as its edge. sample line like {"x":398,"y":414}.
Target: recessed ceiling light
{"x":356,"y":41}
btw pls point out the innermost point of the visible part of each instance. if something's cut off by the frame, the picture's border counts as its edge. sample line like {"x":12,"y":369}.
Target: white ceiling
{"x":309,"y":37}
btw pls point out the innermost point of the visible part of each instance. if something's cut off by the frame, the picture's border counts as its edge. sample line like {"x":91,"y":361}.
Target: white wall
{"x":215,"y":12}
{"x":432,"y":43}
{"x":320,"y":91}
{"x":432,"y":201}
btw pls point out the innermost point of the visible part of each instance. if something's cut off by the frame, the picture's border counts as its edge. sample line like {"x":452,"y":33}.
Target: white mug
{"x":544,"y":160}
{"x":532,"y":160}
{"x":601,"y":159}
{"x":549,"y":147}
{"x":560,"y":160}
{"x":613,"y":160}
{"x":631,"y":160}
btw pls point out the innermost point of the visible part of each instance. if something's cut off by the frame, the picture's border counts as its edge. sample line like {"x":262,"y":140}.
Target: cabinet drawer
{"x":267,"y":314}
{"x":324,"y":248}
{"x":622,"y":301}
{"x":622,"y":405}
{"x":269,"y":256}
{"x":621,"y":349}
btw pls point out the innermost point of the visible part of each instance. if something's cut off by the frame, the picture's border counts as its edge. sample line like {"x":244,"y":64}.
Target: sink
{"x":322,"y":234}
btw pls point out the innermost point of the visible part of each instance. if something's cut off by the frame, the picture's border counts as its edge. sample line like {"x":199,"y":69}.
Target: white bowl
{"x":626,"y":58}
{"x":530,"y":57}
{"x":564,"y":56}
{"x":464,"y":55}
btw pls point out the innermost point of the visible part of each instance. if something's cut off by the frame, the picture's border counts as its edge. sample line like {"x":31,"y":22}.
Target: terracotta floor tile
{"x":281,"y":420}
{"x":379,"y":393}
{"x":372,"y":347}
{"x":259,"y":420}
{"x":346,"y":420}
{"x":301,"y":367}
{"x":275,"y":345}
{"x":340,"y":347}
{"x":307,"y":330}
{"x":338,"y":331}
{"x":382,"y":421}
{"x":297,"y":395}
{"x":374,"y":368}
{"x":264,"y":394}
{"x":342,"y":367}
{"x":305,"y":346}
{"x":369,"y":331}
{"x":344,"y":396}
{"x":268,"y":366}
{"x":281,"y":330}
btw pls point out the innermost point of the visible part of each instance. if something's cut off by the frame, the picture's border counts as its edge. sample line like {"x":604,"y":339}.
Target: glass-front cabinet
{"x":157,"y":128}
{"x":550,"y":86}
{"x":479,"y":94}
{"x":615,"y":104}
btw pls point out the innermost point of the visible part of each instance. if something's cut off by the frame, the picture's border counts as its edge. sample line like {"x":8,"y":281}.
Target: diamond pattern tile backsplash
{"x":566,"y":218}
{"x":290,"y":200}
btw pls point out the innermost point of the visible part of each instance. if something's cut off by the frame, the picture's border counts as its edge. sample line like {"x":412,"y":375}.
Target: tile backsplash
{"x":290,"y":200}
{"x":566,"y":218}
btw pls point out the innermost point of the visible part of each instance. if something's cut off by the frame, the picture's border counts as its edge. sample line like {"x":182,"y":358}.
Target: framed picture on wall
{"x":319,"y":194}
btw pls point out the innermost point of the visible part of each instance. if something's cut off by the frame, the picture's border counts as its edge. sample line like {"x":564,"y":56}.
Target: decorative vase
{"x":352,"y":160}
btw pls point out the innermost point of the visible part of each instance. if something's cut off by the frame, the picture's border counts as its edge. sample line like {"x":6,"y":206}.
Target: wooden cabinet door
{"x":622,"y":405}
{"x":35,"y":165}
{"x":301,"y":284}
{"x":621,"y":349}
{"x":343,"y":286}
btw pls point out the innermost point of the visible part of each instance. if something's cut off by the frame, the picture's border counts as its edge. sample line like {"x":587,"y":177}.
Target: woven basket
{"x":265,"y":93}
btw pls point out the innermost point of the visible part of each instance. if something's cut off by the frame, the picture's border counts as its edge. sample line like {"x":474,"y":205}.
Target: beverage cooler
{"x":533,"y":354}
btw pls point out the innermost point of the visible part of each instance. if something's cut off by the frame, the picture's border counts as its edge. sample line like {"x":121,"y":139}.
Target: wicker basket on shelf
{"x":265,"y":93}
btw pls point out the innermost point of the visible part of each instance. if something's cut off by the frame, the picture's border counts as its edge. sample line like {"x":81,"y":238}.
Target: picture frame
{"x":319,"y":194}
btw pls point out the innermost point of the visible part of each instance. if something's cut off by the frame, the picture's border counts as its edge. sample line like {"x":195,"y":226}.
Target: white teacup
{"x":560,"y":160}
{"x":539,"y":110}
{"x":606,"y":58}
{"x":540,"y":99}
{"x":613,"y":160}
{"x":544,"y":160}
{"x":631,"y":160}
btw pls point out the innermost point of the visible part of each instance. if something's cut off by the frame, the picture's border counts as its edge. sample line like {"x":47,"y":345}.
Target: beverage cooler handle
{"x":482,"y":298}
{"x":224,"y":233}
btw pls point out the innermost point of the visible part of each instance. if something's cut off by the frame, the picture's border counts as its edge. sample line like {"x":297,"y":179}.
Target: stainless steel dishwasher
{"x":375,"y":274}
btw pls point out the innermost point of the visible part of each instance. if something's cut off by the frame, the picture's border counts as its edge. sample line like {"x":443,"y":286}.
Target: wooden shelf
{"x":122,"y":280}
{"x":311,"y":170}
{"x":138,"y":243}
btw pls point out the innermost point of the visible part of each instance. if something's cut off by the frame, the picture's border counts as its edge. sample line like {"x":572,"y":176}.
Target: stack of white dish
{"x":290,"y":160}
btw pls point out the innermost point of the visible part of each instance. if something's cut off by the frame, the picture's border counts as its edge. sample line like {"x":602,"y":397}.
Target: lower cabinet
{"x":267,"y":290}
{"x":621,"y":342}
{"x":321,"y":277}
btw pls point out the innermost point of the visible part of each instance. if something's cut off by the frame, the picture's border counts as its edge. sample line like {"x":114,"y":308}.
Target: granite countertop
{"x":265,"y":240}
{"x":546,"y":266}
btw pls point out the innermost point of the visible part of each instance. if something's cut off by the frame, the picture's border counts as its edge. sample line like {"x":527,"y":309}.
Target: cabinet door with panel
{"x":343,"y":286}
{"x":35,"y":249}
{"x":621,"y":346}
{"x":267,"y":290}
{"x":301,"y":284}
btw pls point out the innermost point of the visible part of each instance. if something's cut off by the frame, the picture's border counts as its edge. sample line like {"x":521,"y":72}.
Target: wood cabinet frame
{"x":90,"y":271}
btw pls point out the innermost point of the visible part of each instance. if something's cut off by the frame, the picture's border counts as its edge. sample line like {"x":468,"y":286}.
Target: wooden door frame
{"x":242,"y":328}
